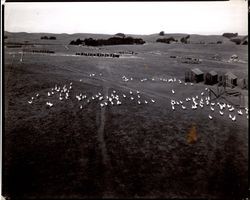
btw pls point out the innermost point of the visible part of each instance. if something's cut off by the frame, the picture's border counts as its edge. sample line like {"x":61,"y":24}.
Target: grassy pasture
{"x":127,"y":150}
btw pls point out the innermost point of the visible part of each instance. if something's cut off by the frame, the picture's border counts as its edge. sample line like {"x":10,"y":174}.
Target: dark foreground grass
{"x":152,"y":158}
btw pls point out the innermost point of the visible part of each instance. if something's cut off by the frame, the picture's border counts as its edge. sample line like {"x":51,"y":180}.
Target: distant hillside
{"x":194,"y":38}
{"x":65,"y":39}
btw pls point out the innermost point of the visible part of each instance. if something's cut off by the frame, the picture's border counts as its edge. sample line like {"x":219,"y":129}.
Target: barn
{"x":231,"y":79}
{"x":196,"y":75}
{"x":211,"y":78}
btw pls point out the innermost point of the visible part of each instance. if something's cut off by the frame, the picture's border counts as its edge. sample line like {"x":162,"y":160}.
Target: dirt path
{"x":101,"y":131}
{"x":108,"y":186}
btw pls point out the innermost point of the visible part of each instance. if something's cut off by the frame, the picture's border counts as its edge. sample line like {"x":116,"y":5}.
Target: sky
{"x":207,"y":18}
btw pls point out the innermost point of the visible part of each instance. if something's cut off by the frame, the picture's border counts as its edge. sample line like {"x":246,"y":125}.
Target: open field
{"x":82,"y":149}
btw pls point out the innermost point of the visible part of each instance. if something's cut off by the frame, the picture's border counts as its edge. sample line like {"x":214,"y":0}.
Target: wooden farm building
{"x":231,"y":79}
{"x":211,"y":78}
{"x":196,"y":75}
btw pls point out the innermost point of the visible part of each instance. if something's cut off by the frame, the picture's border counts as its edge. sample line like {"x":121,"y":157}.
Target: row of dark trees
{"x":230,"y":35}
{"x":113,"y":55}
{"x":77,"y":42}
{"x":239,"y":41}
{"x":127,"y":52}
{"x":110,"y":41}
{"x":184,"y":40}
{"x":40,"y":51}
{"x":233,"y":38}
{"x":172,"y":39}
{"x":167,"y":40}
{"x":48,"y":38}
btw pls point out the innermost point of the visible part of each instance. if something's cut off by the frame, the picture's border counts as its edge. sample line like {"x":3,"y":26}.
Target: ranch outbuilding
{"x":231,"y":79}
{"x":194,"y":75}
{"x":211,"y":78}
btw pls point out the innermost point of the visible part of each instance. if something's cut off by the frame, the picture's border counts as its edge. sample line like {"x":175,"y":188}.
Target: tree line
{"x":110,"y":41}
{"x":48,"y":38}
{"x":172,"y":39}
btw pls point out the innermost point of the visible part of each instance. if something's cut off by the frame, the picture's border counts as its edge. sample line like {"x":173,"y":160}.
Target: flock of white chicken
{"x":166,"y":80}
{"x":201,"y":101}
{"x":114,"y":98}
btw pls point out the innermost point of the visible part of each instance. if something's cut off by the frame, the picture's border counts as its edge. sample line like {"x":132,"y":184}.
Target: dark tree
{"x":184,"y":40}
{"x":230,"y":35}
{"x":236,"y":40}
{"x":120,"y":35}
{"x":44,"y":37}
{"x":77,"y":42}
{"x":166,"y":40}
{"x":162,"y":33}
{"x":52,"y":38}
{"x":245,"y":42}
{"x":72,"y":42}
{"x":91,"y":42}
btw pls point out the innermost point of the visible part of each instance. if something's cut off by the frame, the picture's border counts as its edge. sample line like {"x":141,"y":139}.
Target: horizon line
{"x":209,"y":34}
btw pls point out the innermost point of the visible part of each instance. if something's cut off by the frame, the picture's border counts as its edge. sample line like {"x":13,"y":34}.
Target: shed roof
{"x":197,"y":71}
{"x":213,"y":73}
{"x":231,"y":75}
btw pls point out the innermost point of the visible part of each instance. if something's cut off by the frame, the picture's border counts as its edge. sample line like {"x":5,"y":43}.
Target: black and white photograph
{"x":125,"y":100}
